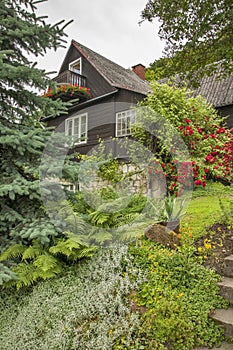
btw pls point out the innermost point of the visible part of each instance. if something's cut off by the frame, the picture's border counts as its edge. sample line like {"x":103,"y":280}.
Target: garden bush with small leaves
{"x":178,"y":296}
{"x":84,"y":309}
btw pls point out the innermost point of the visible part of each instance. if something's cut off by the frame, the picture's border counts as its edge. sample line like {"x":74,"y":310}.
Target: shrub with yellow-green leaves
{"x":178,"y":297}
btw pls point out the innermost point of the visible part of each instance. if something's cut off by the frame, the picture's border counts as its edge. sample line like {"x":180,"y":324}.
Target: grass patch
{"x":204,"y":209}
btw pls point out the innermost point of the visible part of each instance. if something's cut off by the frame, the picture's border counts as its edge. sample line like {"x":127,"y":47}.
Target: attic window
{"x":76,"y":66}
{"x":124,"y":121}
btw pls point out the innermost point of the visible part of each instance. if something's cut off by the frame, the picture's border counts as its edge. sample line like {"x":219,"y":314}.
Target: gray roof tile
{"x":116,"y":75}
{"x":218,"y":92}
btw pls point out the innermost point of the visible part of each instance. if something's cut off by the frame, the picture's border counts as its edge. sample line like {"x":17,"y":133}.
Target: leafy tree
{"x":159,"y":69}
{"x":22,"y":137}
{"x":198,"y":34}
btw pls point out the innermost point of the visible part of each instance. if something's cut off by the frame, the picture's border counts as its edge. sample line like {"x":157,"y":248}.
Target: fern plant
{"x":72,"y":248}
{"x":39,"y":261}
{"x":110,"y":210}
{"x":118,"y":212}
{"x":31,"y":263}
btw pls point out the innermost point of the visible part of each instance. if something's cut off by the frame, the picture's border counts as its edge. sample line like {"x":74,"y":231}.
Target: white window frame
{"x":76,"y":61}
{"x":76,"y":138}
{"x":69,"y":186}
{"x":125,"y":118}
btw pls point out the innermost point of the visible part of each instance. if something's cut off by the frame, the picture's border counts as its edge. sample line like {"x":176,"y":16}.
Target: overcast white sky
{"x":108,"y":27}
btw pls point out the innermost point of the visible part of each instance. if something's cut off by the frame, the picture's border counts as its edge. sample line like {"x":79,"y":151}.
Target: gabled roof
{"x":116,"y":75}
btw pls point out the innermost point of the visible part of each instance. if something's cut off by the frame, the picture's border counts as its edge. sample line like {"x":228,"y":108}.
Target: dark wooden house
{"x":114,"y":90}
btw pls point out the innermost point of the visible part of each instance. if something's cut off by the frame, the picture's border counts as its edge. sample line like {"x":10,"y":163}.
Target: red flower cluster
{"x":67,"y":88}
{"x":211,"y":148}
{"x":211,"y":152}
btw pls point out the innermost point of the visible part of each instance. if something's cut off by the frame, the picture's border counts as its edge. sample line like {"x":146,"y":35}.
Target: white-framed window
{"x":69,"y":186}
{"x":76,"y":127}
{"x":124,"y":121}
{"x":76,"y":66}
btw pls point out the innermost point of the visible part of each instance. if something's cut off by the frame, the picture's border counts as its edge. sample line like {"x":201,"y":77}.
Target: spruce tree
{"x":22,"y":137}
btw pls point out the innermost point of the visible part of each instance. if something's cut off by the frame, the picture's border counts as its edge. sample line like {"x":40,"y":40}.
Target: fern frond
{"x":101,"y":236}
{"x":25,"y":273}
{"x":49,"y":273}
{"x":46,"y":262}
{"x":100,"y":218}
{"x":86,"y":252}
{"x":71,"y":248}
{"x":33,"y":251}
{"x":64,"y":247}
{"x":15,"y":251}
{"x":120,"y":220}
{"x":78,"y":238}
{"x":76,"y":224}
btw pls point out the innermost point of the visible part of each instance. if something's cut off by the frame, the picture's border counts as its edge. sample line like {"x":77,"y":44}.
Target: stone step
{"x":228,"y":269}
{"x":224,"y":317}
{"x":226,"y":288}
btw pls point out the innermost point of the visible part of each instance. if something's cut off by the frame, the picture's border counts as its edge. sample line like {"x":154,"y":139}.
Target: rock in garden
{"x":161,"y":234}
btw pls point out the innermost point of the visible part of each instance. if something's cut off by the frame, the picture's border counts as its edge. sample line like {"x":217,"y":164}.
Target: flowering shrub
{"x":211,"y":147}
{"x":209,"y":142}
{"x":69,"y":89}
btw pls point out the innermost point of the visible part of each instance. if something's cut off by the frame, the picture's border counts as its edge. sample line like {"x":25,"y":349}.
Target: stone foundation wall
{"x":135,"y":179}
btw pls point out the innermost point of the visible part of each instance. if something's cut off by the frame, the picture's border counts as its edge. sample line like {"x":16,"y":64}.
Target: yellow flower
{"x":180,"y":295}
{"x":207,"y":244}
{"x":199,"y":249}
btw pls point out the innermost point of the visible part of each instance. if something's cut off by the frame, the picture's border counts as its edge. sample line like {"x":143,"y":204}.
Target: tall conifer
{"x":22,"y":138}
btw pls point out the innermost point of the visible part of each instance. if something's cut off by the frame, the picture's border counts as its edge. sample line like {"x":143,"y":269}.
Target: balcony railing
{"x":70,"y":77}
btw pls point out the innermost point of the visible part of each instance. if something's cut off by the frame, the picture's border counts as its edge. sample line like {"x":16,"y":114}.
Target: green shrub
{"x":178,"y":296}
{"x":84,"y":309}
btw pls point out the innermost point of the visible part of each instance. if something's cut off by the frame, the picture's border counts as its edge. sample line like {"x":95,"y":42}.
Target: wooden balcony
{"x":69,"y":77}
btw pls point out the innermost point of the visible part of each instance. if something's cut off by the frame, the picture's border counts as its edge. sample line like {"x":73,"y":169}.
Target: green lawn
{"x":204,"y":209}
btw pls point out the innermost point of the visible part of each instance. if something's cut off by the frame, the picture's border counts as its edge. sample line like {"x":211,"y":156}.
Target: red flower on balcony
{"x":69,"y":89}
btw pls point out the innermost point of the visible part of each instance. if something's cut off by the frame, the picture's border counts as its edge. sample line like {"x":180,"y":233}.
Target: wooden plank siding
{"x":97,"y":84}
{"x":128,"y":96}
{"x":101,"y":117}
